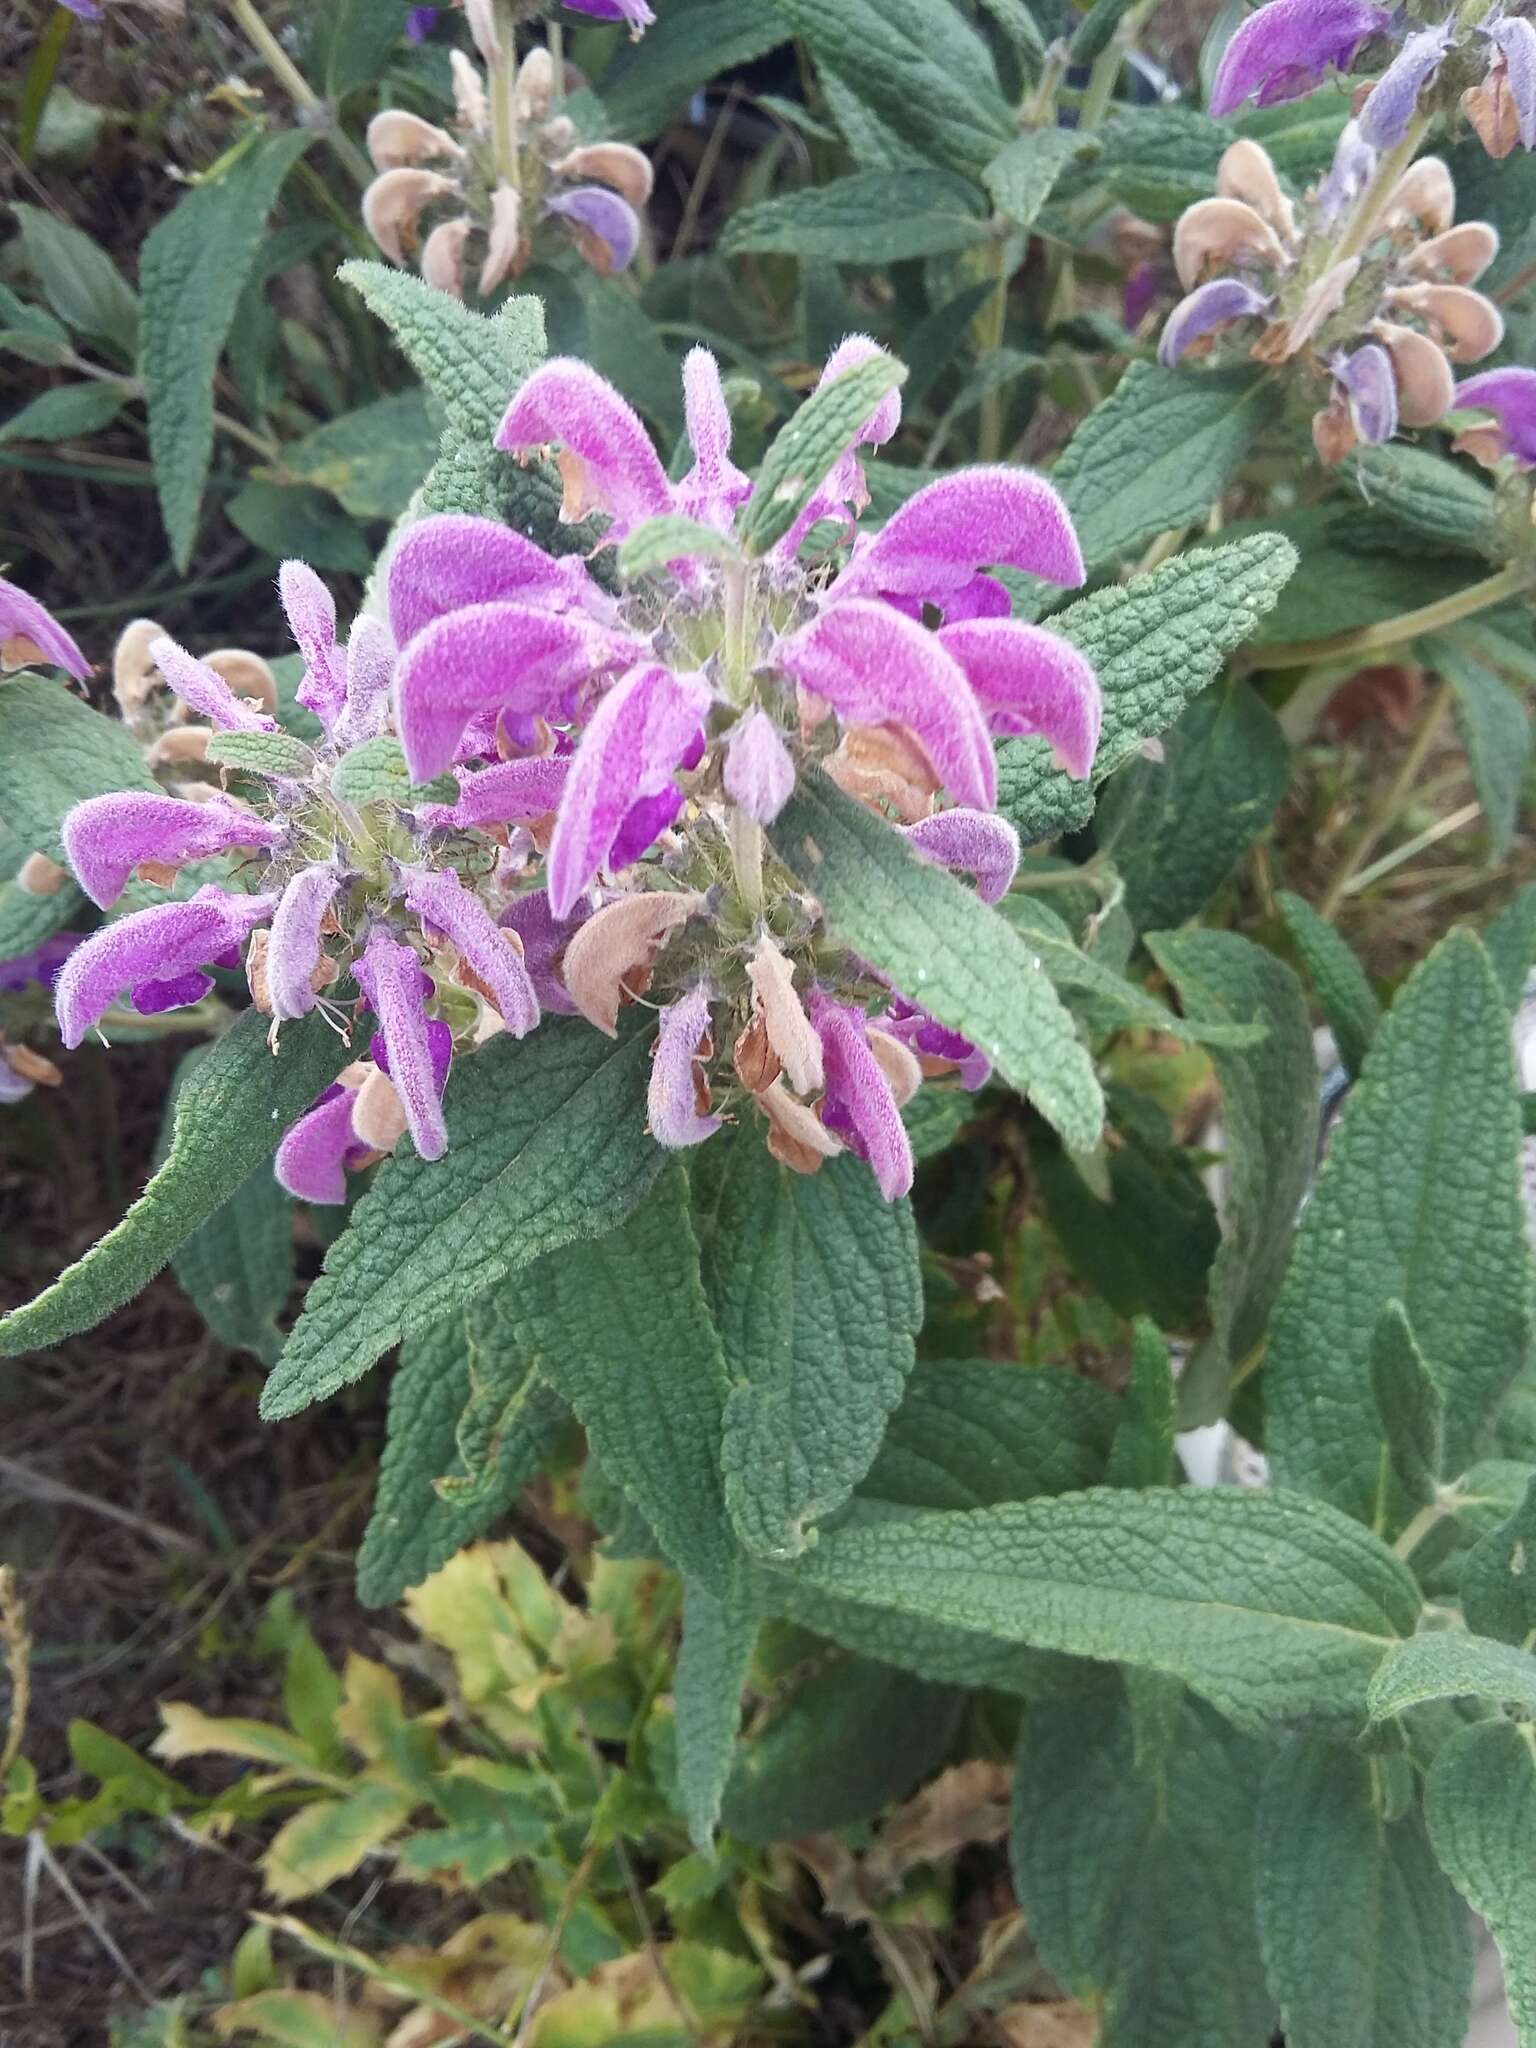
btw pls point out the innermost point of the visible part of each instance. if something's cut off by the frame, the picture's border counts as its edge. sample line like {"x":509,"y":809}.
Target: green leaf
{"x":473,"y":366}
{"x":1511,"y":943}
{"x":840,"y":1748}
{"x":65,"y":411}
{"x":329,"y":1839}
{"x":261,"y":753}
{"x":355,"y":37}
{"x":918,"y":66}
{"x":26,"y":920}
{"x":1498,"y":1586}
{"x":372,"y":459}
{"x":238,"y":1266}
{"x":1364,"y":1940}
{"x":1495,"y":730}
{"x":1021,"y":175}
{"x":1419,"y":1201}
{"x":296,"y":2019}
{"x":873,"y":218}
{"x":1451,"y":1665}
{"x":944,"y":948}
{"x":1138,"y":1884}
{"x":1269,"y":1103}
{"x":1159,"y":452}
{"x":718,"y":1638}
{"x":691,"y":42}
{"x":1408,"y":1405}
{"x":1445,"y":501}
{"x":546,"y":1143}
{"x":79,"y":279}
{"x":192,"y":269}
{"x":54,"y":752}
{"x":230,"y":1114}
{"x":1272,"y":1607}
{"x":1343,"y":990}
{"x":816,"y":1293}
{"x":668,"y":538}
{"x":802,"y":453}
{"x":1176,"y":828}
{"x":374,"y":771}
{"x":1093,"y":32}
{"x":621,"y":1329}
{"x":30,"y":332}
{"x":292,"y":519}
{"x":1480,"y":1805}
{"x":415,"y":1529}
{"x":1155,"y":160}
{"x":1155,"y":644}
{"x":1142,"y":1453}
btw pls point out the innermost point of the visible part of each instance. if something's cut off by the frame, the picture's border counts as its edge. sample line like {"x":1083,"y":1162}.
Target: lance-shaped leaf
{"x":191,"y":272}
{"x":1269,"y":1099}
{"x":1495,"y":729}
{"x":669,"y":537}
{"x":1498,"y":1588}
{"x":1343,"y":991}
{"x":623,"y":1333}
{"x":1275,"y":1608}
{"x":54,"y":752}
{"x":885,"y":216}
{"x":815,"y":1289}
{"x":942,"y":948}
{"x":1364,"y":1940}
{"x":1480,"y":1805}
{"x":546,"y":1143}
{"x":230,"y":1114}
{"x":1142,"y":1453}
{"x":712,"y":1660}
{"x":1408,"y":1406}
{"x":238,"y":1266}
{"x":1155,"y":643}
{"x":415,"y":1528}
{"x":1418,"y":1201}
{"x":1452,"y":1665}
{"x":1021,"y":175}
{"x":1136,"y":1873}
{"x":804,"y":452}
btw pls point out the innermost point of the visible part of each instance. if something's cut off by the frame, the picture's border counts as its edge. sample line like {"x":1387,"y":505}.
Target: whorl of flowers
{"x":1380,"y":306}
{"x":515,"y":172}
{"x":578,"y":817}
{"x":1484,"y":58}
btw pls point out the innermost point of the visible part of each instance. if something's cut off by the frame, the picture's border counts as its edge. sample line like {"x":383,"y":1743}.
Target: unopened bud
{"x":504,"y":253}
{"x":481,"y":17}
{"x":180,"y":744}
{"x":903,"y":1075}
{"x":469,"y":98}
{"x":134,"y":675}
{"x":535,"y":85}
{"x":797,"y":1137}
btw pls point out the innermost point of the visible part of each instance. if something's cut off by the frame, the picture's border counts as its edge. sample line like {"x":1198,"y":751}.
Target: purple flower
{"x":29,"y":632}
{"x":1394,"y":99}
{"x":1370,"y":387}
{"x":41,"y":966}
{"x":315,"y":1152}
{"x":389,"y":974}
{"x":107,"y":837}
{"x":607,"y":227}
{"x":88,"y":10}
{"x":420,"y":22}
{"x":1207,"y":309}
{"x":636,"y":12}
{"x":859,"y":1105}
{"x":978,"y":842}
{"x":1510,"y":395}
{"x":157,"y":955}
{"x":676,"y":1074}
{"x":759,"y":772}
{"x":1287,"y":47}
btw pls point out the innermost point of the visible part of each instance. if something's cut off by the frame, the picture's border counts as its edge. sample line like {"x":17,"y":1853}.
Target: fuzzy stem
{"x":1429,"y":618}
{"x":1385,"y":812}
{"x":991,"y":324}
{"x":746,"y":837}
{"x":1362,"y":221}
{"x":299,"y":89}
{"x":504,"y":95}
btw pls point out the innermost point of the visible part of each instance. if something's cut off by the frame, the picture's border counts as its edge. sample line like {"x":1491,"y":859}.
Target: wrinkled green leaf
{"x":1142,"y":1452}
{"x":1498,"y":1583}
{"x":1480,"y":1804}
{"x":1449,"y":1665}
{"x":1408,"y":1405}
{"x":79,"y":279}
{"x":1495,"y":730}
{"x":802,"y":453}
{"x":54,"y":752}
{"x":370,"y":460}
{"x":712,"y":1661}
{"x":668,"y":538}
{"x":1022,"y":173}
{"x":690,"y":42}
{"x":64,"y":412}
{"x":1348,"y":1001}
{"x":871,"y":218}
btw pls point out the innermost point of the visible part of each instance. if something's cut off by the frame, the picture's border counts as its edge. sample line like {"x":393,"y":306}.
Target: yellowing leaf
{"x":328,"y":1840}
{"x":297,"y":2019}
{"x":188,"y":1731}
{"x":373,"y":1711}
{"x":463,"y":1608}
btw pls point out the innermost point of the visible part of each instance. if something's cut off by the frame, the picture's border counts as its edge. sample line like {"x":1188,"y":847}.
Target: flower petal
{"x":636,"y":12}
{"x":759,"y":774}
{"x":390,"y":976}
{"x":315,"y":1152}
{"x":623,"y":936}
{"x":1515,"y":40}
{"x":1281,"y":51}
{"x":1352,"y":169}
{"x":293,"y":950}
{"x":29,"y":631}
{"x":1426,"y":390}
{"x":634,"y":743}
{"x":488,"y":657}
{"x":370,"y":671}
{"x":311,"y":614}
{"x":1027,"y":679}
{"x":440,"y":900}
{"x":1394,"y":99}
{"x":875,"y":667}
{"x":792,"y":1036}
{"x":1510,"y":395}
{"x":976,"y":519}
{"x":859,"y":1106}
{"x":166,"y":945}
{"x":671,"y":1099}
{"x":1370,"y":385}
{"x":205,"y":689}
{"x":619,"y":164}
{"x":545,"y":939}
{"x":1224,"y":233}
{"x":979,"y":842}
{"x":714,"y":487}
{"x":452,"y":560}
{"x":106,"y":837}
{"x":619,"y":471}
{"x":607,"y":227}
{"x":1207,"y":308}
{"x":511,"y":793}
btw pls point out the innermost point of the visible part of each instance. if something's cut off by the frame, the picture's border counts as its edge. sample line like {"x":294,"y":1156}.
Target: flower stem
{"x":1362,"y":222}
{"x":991,"y":324}
{"x":299,"y":89}
{"x":1385,"y":813}
{"x":746,"y":837}
{"x":504,"y":95}
{"x":1429,"y":618}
